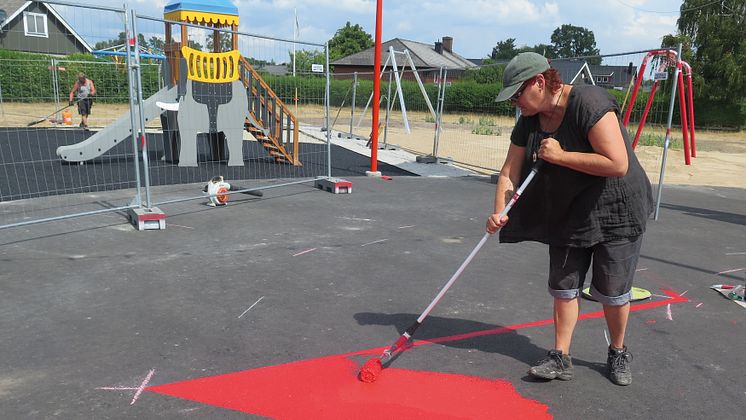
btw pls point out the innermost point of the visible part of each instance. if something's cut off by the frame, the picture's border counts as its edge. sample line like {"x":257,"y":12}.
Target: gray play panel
{"x":92,"y":312}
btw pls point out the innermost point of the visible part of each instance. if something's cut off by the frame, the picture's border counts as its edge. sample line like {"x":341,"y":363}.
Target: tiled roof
{"x":423,"y":55}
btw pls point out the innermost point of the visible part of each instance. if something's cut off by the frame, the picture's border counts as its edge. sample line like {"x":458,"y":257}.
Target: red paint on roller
{"x":326,"y":388}
{"x":371,"y":369}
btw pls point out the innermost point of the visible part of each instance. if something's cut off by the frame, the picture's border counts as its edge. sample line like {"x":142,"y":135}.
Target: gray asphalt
{"x":91,"y":303}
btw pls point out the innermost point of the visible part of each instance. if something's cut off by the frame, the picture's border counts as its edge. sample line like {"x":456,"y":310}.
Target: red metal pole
{"x":645,"y":114}
{"x":683,"y":112}
{"x":691,"y":109}
{"x":638,"y":82}
{"x":376,"y":90}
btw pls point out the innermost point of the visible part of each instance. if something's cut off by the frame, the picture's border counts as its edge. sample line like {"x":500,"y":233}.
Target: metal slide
{"x":115,"y":133}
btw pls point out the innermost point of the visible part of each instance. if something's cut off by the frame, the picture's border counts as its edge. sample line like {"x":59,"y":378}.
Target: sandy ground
{"x":720,"y":156}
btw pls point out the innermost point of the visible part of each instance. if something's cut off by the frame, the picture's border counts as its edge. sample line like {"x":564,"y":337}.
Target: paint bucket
{"x":67,"y":117}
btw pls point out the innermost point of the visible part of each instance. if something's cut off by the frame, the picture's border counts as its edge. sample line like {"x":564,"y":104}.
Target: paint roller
{"x":372,"y":368}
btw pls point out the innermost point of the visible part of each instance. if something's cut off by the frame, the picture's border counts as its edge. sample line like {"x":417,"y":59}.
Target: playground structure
{"x":216,"y":93}
{"x":685,"y":93}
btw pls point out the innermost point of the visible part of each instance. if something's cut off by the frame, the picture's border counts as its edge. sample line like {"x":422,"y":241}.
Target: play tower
{"x":214,"y":93}
{"x":217,"y":80}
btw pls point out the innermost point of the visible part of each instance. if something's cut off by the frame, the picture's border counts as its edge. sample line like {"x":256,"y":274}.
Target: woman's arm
{"x":510,"y":176}
{"x":610,"y":153}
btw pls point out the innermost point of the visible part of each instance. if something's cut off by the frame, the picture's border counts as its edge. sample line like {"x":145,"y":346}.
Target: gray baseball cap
{"x":521,"y":68}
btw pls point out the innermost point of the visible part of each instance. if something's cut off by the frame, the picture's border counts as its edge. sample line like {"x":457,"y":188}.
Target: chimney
{"x":448,"y":44}
{"x":438,"y":47}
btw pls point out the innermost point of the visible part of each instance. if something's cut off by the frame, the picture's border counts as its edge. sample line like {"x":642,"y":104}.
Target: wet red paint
{"x":328,"y":388}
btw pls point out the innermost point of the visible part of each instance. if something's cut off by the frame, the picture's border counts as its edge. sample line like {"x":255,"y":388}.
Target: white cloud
{"x":404,"y":26}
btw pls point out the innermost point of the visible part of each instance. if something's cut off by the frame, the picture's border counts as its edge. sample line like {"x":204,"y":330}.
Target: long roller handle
{"x":412,"y":328}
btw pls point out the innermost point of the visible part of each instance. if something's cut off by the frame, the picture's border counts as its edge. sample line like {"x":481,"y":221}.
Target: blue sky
{"x":475,"y":25}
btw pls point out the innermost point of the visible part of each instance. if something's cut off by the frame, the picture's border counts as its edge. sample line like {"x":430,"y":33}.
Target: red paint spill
{"x":651,"y":321}
{"x":328,"y":388}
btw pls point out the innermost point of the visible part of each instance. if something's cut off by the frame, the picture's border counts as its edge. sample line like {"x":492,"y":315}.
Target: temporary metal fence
{"x":35,"y":184}
{"x":51,"y":169}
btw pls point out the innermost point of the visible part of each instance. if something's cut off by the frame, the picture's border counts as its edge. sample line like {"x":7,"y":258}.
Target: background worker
{"x":589,"y":203}
{"x":83,"y":90}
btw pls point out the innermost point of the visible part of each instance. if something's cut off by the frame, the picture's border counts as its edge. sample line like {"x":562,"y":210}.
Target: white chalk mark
{"x":732,"y":271}
{"x":359,"y":219}
{"x":142,"y":386}
{"x":698,"y":305}
{"x":660,"y":296}
{"x":669,"y":316}
{"x":735,"y":253}
{"x":305,"y":252}
{"x":642,"y":269}
{"x":181,"y":226}
{"x":375,"y":242}
{"x":244,"y":312}
{"x":606,"y":336}
{"x":137,"y":390}
{"x":684,"y":292}
{"x":407,"y":227}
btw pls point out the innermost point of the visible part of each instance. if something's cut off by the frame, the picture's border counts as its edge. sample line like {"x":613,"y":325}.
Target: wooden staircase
{"x":274,"y":126}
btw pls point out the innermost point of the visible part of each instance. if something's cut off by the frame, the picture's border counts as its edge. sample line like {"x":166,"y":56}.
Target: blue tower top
{"x":219,"y":12}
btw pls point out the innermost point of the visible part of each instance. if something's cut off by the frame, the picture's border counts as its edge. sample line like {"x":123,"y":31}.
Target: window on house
{"x":35,"y":24}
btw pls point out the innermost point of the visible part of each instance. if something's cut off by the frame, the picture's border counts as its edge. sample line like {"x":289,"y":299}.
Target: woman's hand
{"x":550,"y":150}
{"x":495,"y":223}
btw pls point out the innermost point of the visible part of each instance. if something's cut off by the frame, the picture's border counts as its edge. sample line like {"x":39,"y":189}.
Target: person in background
{"x":589,"y":202}
{"x":84,"y":91}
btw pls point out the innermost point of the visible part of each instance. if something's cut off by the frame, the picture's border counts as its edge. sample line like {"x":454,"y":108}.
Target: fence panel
{"x":236,"y":110}
{"x":50,"y":45}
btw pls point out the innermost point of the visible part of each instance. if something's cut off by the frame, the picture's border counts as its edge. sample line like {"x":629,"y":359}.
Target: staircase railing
{"x":279,"y":128}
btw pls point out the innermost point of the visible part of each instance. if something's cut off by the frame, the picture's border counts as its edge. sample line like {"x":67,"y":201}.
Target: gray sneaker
{"x":555,"y":366}
{"x":618,"y":365}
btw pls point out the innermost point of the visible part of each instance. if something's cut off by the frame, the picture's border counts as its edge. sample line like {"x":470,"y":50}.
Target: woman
{"x":589,"y":202}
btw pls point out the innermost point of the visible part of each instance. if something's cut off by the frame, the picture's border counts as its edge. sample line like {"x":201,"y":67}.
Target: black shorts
{"x":614,"y":265}
{"x":84,"y":106}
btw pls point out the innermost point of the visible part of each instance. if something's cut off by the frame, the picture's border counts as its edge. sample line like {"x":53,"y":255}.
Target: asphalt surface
{"x":93,"y":312}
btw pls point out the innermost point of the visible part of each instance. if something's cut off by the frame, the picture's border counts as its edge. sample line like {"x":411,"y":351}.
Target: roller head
{"x":371,"y":369}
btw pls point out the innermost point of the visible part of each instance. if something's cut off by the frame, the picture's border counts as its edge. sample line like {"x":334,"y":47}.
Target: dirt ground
{"x":720,"y":156}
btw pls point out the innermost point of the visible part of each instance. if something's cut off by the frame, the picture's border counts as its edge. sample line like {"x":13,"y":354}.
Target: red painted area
{"x":328,"y":388}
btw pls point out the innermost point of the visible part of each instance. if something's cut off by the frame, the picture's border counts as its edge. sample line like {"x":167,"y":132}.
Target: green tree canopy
{"x":348,"y":40}
{"x":504,"y":50}
{"x":718,"y":45}
{"x":304,"y":59}
{"x":574,"y":41}
{"x":543,"y":49}
{"x":226,"y":43}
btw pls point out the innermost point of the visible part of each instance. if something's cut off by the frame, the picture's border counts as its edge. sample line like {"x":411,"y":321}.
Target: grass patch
{"x":487,"y":127}
{"x":657,"y":140}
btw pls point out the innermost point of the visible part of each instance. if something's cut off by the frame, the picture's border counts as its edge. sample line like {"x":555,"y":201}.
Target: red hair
{"x":553,"y":79}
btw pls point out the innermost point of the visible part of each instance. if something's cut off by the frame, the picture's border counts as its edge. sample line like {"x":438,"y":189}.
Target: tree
{"x":543,"y":49}
{"x":487,"y":73}
{"x":157,"y":45}
{"x":718,"y":45}
{"x":504,"y":50}
{"x":304,"y":59}
{"x":575,"y":41}
{"x":226,"y":43}
{"x":120,"y":41}
{"x":348,"y":40}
